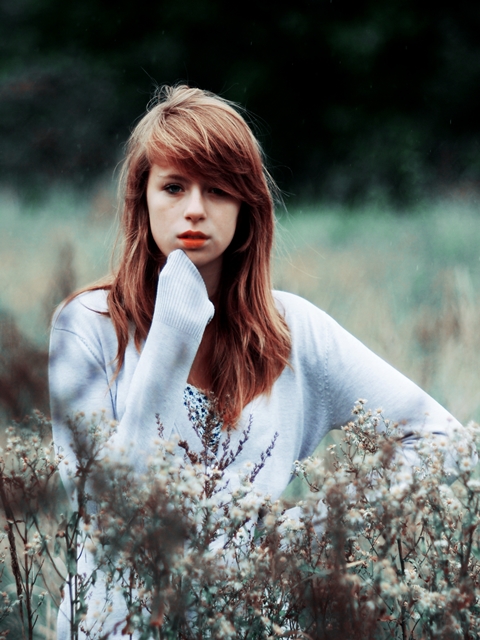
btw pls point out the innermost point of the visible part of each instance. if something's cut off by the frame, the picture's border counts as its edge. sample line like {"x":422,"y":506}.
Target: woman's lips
{"x":193,"y":239}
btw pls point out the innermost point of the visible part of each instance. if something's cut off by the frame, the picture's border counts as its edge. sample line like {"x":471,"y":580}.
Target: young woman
{"x":190,"y":314}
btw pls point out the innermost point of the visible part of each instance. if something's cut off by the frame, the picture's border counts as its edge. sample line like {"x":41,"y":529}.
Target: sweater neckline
{"x":202,"y":416}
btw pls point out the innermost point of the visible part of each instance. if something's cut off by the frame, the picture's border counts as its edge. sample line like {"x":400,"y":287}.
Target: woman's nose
{"x":195,"y":205}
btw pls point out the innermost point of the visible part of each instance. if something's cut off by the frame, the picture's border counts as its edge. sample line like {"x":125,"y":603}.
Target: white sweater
{"x":330,"y":370}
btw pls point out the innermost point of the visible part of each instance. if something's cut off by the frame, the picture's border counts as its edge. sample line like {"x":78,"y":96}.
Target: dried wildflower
{"x":379,"y":548}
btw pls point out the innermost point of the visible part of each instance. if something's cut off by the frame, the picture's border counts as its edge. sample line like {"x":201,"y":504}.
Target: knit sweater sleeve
{"x":354,"y":372}
{"x":81,"y":367}
{"x":335,"y":370}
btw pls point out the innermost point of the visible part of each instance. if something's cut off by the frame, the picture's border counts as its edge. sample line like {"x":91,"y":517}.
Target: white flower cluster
{"x":381,"y":546}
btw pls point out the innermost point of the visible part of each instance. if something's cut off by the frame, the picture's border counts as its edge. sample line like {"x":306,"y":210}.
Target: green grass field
{"x":407,"y":286}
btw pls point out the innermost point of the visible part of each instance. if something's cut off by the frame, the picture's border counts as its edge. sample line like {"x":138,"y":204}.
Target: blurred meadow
{"x":408,"y":286}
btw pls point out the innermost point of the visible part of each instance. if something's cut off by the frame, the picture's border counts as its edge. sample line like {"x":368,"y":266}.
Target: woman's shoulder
{"x":296,"y":308}
{"x":310,"y":330}
{"x":84,"y":309}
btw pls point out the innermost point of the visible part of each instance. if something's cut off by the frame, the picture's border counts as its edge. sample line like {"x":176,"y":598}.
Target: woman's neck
{"x":211,"y":275}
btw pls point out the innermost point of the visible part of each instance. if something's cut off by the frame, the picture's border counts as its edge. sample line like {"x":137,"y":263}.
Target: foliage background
{"x":354,"y":99}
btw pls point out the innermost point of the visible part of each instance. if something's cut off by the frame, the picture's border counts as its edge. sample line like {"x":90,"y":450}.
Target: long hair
{"x":207,"y":137}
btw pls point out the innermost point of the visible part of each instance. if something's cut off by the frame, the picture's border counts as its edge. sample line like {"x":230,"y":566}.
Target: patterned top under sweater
{"x":201,"y":411}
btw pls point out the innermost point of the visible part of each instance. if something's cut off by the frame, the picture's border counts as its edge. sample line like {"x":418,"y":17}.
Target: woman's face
{"x":192,"y":214}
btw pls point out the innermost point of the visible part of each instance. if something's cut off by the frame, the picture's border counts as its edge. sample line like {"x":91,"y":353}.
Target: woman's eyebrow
{"x":173,"y":176}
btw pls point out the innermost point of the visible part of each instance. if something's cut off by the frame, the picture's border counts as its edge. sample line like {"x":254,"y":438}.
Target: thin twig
{"x":12,"y":544}
{"x":402,"y":615}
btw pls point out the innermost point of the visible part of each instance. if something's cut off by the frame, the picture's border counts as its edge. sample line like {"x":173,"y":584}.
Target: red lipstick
{"x":193,"y":239}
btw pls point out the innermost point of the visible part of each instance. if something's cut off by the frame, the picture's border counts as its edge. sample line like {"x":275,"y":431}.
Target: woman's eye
{"x":173,"y":188}
{"x":218,"y":192}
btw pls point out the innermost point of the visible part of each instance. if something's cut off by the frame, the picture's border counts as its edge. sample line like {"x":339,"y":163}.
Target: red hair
{"x":207,"y":137}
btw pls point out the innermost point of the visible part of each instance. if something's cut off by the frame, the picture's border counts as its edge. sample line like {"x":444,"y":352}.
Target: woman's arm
{"x":83,"y":346}
{"x":333,"y":370}
{"x":356,"y":372}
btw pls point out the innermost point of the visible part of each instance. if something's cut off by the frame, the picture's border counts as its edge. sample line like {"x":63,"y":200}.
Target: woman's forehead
{"x":190,"y":169}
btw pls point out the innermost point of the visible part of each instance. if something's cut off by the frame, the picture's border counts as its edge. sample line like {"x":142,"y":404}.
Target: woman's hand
{"x":182,"y":297}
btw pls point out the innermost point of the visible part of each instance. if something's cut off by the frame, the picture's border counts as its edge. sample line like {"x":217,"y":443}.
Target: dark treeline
{"x":351,"y":98}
